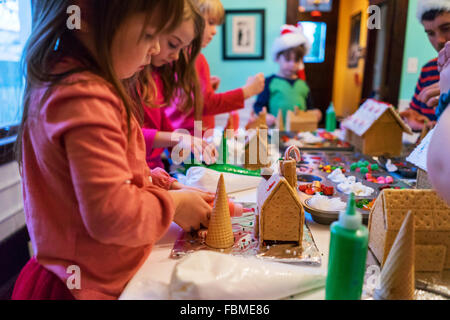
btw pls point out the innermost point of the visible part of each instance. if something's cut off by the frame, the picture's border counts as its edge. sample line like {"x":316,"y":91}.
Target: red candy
{"x":311,"y":190}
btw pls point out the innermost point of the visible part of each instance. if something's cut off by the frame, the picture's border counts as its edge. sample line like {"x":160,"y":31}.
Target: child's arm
{"x":439,"y":148}
{"x":162,"y":179}
{"x":115,"y":208}
{"x":262,"y":101}
{"x":217,"y":103}
{"x":438,"y":164}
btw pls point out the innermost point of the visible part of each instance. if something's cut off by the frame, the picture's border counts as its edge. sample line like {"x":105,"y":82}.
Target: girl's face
{"x":210,"y":30}
{"x":133,"y":46}
{"x":173,"y":43}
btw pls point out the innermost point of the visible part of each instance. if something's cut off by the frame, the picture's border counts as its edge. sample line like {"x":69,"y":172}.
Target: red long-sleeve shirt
{"x":89,"y":199}
{"x":214,"y":103}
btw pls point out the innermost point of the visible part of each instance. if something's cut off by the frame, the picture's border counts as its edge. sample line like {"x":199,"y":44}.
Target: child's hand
{"x":271,"y":120}
{"x":255,"y":85}
{"x":192,"y":209}
{"x":430,"y":95}
{"x":416,"y":120}
{"x":215,"y":83}
{"x":251,"y":121}
{"x":199,"y":147}
{"x":444,"y":68}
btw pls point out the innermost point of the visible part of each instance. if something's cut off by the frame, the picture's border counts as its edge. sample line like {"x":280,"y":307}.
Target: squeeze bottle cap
{"x":350,"y":219}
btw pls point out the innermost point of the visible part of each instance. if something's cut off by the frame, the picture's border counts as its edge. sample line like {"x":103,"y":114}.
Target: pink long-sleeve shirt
{"x":155,"y":120}
{"x":214,"y":103}
{"x":88,"y":194}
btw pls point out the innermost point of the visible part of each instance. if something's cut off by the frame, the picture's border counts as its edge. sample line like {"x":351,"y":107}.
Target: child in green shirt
{"x":287,"y":89}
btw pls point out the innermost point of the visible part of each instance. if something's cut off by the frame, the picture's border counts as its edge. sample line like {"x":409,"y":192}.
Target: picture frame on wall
{"x":244,"y":35}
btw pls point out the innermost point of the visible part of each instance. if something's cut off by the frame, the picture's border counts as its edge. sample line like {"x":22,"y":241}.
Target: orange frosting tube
{"x":236,"y":209}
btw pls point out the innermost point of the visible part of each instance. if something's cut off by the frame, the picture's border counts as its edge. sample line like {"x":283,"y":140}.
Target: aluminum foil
{"x":429,"y":286}
{"x":246,"y":244}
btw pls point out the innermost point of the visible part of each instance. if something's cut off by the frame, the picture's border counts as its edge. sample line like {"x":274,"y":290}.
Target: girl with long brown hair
{"x":92,"y":208}
{"x":211,"y":103}
{"x":175,"y":76}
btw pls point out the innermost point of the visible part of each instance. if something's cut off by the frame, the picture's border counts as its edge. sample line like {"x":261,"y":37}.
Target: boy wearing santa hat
{"x":435,"y":17}
{"x":286,"y":90}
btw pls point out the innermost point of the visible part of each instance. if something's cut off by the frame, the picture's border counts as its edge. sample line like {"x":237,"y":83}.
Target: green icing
{"x":285,"y":96}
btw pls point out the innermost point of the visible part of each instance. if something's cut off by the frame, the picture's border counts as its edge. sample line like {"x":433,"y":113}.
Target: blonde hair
{"x":213,"y":8}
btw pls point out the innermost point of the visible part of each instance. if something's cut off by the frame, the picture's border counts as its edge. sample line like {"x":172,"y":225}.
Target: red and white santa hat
{"x":291,"y":36}
{"x":424,"y":6}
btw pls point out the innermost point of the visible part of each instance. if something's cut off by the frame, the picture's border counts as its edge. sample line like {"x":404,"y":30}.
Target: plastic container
{"x":330,"y":119}
{"x":347,"y":257}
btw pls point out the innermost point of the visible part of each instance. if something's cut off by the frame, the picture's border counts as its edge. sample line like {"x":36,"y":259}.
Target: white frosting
{"x":337,"y":176}
{"x":348,"y":185}
{"x":355,"y":187}
{"x":293,"y":142}
{"x":324,"y":203}
{"x":308,"y":137}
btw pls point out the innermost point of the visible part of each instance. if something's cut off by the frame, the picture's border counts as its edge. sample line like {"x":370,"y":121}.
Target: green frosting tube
{"x":228,"y":168}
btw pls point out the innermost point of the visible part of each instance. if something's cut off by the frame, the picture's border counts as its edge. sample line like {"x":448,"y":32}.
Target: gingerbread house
{"x":432,"y":226}
{"x":257,"y":149}
{"x":301,"y":121}
{"x":280,"y":214}
{"x":376,"y":129}
{"x":259,"y":122}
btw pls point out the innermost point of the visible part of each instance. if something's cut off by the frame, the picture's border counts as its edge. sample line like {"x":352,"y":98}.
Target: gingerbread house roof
{"x":430,"y":211}
{"x":267,"y":189}
{"x":368,"y":114}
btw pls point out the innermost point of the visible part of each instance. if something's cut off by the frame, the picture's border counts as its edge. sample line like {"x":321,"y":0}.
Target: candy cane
{"x":293,"y":149}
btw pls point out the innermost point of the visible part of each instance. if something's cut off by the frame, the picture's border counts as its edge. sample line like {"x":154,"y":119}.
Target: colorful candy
{"x":365,"y":204}
{"x":329,"y":168}
{"x":380,"y":179}
{"x":316,"y":187}
{"x":389,"y":187}
{"x":363,"y":167}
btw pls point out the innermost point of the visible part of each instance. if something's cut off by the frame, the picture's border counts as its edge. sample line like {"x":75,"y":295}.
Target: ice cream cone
{"x":397,"y":279}
{"x":220,"y":231}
